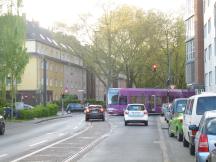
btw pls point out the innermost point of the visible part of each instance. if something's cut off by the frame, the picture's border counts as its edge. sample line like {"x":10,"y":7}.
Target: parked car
{"x":2,"y":125}
{"x":94,"y":112}
{"x":136,"y":113}
{"x":167,"y":113}
{"x":73,"y":107}
{"x":197,"y":105}
{"x":22,"y":105}
{"x":176,"y":119}
{"x":205,"y":138}
{"x":212,"y":156}
{"x":164,"y":108}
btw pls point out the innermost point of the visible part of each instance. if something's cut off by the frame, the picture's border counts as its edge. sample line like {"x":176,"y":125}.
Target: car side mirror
{"x":193,"y":128}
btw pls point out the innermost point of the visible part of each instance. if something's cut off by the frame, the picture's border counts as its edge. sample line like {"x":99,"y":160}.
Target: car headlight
{"x":1,"y":117}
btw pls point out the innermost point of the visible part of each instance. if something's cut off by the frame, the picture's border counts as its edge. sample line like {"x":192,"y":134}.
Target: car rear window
{"x":135,"y":108}
{"x":211,"y":127}
{"x":75,"y":105}
{"x":206,"y":104}
{"x":95,"y":107}
{"x":180,"y":105}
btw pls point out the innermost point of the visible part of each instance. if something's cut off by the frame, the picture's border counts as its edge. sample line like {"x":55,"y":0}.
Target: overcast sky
{"x":49,"y":11}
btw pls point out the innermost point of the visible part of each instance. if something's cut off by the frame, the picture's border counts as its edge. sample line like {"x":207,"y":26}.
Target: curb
{"x":52,"y":118}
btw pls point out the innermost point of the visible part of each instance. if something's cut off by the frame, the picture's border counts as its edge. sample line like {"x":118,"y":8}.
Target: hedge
{"x":38,"y":112}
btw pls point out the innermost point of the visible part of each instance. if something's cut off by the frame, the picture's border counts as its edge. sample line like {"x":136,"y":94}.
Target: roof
{"x":35,"y":32}
{"x":204,"y":94}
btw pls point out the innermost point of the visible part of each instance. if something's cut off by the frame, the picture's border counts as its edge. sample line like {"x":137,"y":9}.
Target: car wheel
{"x":126,"y":123}
{"x":191,"y":149}
{"x":185,"y":143}
{"x":146,"y":123}
{"x":169,"y":131}
{"x":103,"y":118}
{"x":2,"y":130}
{"x":179,"y":136}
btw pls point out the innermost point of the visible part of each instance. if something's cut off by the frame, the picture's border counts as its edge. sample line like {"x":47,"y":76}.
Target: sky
{"x":47,"y":12}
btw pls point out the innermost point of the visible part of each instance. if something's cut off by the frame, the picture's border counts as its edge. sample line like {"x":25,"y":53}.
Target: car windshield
{"x":136,"y":108}
{"x":181,"y":105}
{"x":206,"y":104}
{"x":211,"y":126}
{"x":75,"y":105}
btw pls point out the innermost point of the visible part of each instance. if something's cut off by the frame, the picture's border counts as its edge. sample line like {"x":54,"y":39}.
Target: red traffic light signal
{"x":154,"y":67}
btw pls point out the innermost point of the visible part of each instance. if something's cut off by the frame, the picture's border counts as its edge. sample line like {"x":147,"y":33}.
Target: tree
{"x":13,"y":52}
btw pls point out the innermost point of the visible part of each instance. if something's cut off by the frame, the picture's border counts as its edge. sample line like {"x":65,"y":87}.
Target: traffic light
{"x":154,"y":67}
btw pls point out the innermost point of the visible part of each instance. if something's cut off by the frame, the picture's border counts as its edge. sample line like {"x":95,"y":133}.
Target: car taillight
{"x":126,"y":112}
{"x":194,"y":132}
{"x":145,"y":112}
{"x":203,"y":143}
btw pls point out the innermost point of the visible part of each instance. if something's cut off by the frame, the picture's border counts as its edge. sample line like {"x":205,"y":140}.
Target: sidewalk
{"x":39,"y":120}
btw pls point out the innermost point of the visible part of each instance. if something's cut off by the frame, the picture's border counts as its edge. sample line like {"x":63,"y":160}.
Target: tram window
{"x":123,"y":100}
{"x":159,"y":100}
{"x":143,"y":99}
{"x":152,"y":100}
{"x":114,"y":99}
{"x":133,"y":99}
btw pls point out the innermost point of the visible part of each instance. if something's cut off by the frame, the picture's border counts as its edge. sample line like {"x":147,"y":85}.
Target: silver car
{"x":205,"y":138}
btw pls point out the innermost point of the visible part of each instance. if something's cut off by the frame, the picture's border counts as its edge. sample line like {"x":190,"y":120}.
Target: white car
{"x":135,"y":113}
{"x":196,"y":106}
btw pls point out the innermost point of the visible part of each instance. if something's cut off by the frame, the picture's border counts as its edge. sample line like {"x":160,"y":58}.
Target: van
{"x":196,"y":106}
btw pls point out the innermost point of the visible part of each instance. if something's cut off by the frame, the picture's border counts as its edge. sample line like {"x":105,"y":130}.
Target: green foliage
{"x":12,"y":51}
{"x":38,"y":112}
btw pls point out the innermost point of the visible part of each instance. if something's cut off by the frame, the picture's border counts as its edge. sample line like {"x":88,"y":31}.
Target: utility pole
{"x":44,"y":82}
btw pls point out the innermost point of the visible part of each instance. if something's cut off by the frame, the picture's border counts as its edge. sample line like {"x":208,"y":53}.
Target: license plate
{"x":94,"y":111}
{"x":135,"y":114}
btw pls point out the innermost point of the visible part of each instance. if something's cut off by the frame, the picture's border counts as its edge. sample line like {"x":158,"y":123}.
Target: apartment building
{"x":209,"y":11}
{"x":194,"y":69}
{"x":64,"y":72}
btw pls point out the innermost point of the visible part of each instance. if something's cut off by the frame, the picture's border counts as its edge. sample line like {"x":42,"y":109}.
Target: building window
{"x":205,"y":30}
{"x":210,"y":51}
{"x":205,"y":55}
{"x":189,"y":28}
{"x":210,"y":78}
{"x":215,"y":46}
{"x":209,"y":25}
{"x":190,"y":50}
{"x":206,"y":79}
{"x":215,"y":74}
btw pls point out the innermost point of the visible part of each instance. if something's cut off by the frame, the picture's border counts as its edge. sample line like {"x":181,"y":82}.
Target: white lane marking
{"x":75,"y":127}
{"x":38,"y":143}
{"x":3,"y":155}
{"x":46,"y":147}
{"x":51,"y":133}
{"x":162,"y":142}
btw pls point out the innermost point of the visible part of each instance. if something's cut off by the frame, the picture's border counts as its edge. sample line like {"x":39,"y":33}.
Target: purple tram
{"x":153,"y":98}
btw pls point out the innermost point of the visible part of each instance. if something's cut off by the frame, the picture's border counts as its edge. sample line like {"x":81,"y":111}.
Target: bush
{"x":38,"y":112}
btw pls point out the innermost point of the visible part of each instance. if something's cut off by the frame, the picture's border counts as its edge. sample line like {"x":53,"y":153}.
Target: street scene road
{"x":73,"y":139}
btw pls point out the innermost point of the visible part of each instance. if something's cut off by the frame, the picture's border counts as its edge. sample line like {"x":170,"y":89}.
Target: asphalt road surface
{"x":73,"y":139}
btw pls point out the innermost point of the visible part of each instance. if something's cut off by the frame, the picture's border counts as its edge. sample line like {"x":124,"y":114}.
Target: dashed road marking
{"x":75,"y":127}
{"x":38,"y":143}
